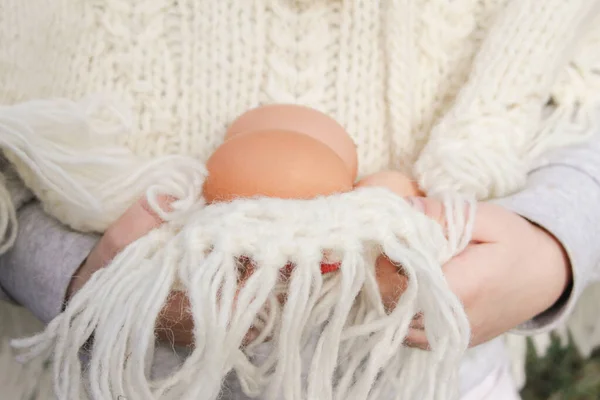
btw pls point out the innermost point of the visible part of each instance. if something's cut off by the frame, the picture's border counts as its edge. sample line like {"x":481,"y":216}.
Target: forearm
{"x":563,"y":197}
{"x":37,"y":270}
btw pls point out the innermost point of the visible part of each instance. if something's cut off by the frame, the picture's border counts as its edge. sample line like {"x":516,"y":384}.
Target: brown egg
{"x":396,"y":181}
{"x":274,"y":163}
{"x":300,"y":119}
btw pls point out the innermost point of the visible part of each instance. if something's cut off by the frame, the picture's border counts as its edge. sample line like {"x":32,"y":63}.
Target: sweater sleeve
{"x":37,"y":269}
{"x":535,"y":54}
{"x":563,"y":197}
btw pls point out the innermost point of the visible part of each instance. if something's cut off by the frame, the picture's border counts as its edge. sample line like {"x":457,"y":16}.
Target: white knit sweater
{"x":389,"y":70}
{"x":464,"y":95}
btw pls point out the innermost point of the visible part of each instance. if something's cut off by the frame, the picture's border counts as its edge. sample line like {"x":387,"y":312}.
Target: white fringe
{"x":331,"y":328}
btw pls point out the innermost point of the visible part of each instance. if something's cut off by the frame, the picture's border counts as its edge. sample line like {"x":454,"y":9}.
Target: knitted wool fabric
{"x":465,"y":95}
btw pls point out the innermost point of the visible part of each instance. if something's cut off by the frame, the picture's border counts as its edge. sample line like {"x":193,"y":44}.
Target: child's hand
{"x":392,"y":282}
{"x":512,"y":272}
{"x":137,"y":221}
{"x":174,"y":324}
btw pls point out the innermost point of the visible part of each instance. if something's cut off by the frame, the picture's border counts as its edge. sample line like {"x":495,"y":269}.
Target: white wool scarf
{"x":332,"y":329}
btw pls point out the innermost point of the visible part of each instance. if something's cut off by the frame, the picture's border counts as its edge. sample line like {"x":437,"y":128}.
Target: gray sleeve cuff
{"x":38,"y":269}
{"x":563,"y":200}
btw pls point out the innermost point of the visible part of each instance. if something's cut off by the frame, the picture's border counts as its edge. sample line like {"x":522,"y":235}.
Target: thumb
{"x":432,"y":208}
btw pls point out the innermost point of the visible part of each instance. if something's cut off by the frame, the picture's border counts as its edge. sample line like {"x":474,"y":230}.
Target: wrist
{"x":553,"y":200}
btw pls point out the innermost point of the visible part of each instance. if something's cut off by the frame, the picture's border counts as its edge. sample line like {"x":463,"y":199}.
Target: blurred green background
{"x":562,"y":375}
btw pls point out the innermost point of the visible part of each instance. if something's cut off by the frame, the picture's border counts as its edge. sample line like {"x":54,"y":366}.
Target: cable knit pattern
{"x":387,"y":71}
{"x":466,"y":96}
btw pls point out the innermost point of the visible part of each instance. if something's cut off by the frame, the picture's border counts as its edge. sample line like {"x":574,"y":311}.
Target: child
{"x":395,"y":74}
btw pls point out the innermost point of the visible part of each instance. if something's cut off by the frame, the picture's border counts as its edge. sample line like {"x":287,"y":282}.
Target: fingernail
{"x":416,"y":203}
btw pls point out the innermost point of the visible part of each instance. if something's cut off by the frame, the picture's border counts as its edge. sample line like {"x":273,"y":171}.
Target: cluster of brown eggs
{"x":292,"y":152}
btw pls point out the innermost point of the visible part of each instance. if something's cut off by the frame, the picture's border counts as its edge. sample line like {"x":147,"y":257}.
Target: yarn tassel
{"x":72,"y":155}
{"x":330,"y":339}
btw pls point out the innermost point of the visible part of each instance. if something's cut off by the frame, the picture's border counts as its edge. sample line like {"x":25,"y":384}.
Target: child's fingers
{"x":483,"y":232}
{"x":175,"y":324}
{"x":417,"y":338}
{"x":391,"y":280}
{"x":137,"y":221}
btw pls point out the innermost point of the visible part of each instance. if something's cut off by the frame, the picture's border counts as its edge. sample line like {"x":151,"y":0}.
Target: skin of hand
{"x":175,"y":324}
{"x":512,"y":271}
